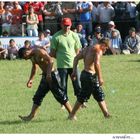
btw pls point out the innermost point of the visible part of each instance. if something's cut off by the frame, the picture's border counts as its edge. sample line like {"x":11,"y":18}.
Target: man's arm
{"x":33,"y":72}
{"x":75,"y":63}
{"x":98,"y":66}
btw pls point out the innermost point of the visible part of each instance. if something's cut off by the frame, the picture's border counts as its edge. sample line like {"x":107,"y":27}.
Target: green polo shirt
{"x":65,"y":47}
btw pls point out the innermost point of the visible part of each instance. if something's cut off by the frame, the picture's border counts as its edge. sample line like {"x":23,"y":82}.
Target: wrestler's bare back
{"x":40,"y":57}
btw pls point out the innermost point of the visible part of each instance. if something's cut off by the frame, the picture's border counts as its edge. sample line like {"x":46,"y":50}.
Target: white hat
{"x":111,"y":23}
{"x":48,"y":31}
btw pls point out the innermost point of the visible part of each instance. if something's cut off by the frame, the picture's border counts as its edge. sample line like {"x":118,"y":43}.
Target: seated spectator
{"x":115,"y":43}
{"x":32,"y":21}
{"x":131,"y":43}
{"x":27,"y":44}
{"x":12,"y":50}
{"x":48,"y":34}
{"x":82,"y":35}
{"x":111,"y":26}
{"x":5,"y":34}
{"x":43,"y":42}
{"x":6,"y":20}
{"x":96,"y":37}
{"x":3,"y":52}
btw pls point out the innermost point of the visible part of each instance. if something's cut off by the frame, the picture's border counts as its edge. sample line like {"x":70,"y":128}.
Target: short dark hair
{"x":21,"y":52}
{"x":27,"y":42}
{"x":11,"y":40}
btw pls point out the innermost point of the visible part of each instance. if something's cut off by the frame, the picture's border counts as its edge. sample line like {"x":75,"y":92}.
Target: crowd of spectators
{"x":118,"y":21}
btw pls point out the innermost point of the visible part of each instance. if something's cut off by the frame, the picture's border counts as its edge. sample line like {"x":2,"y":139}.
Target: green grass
{"x":121,"y":77}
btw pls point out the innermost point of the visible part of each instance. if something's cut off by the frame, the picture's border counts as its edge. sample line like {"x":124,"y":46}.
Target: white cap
{"x":48,"y":31}
{"x":111,"y":23}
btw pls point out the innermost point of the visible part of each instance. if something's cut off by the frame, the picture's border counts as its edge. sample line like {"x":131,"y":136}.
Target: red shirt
{"x":37,"y":8}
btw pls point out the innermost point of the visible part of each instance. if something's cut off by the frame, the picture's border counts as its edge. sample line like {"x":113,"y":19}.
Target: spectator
{"x":17,"y":13}
{"x":27,"y":44}
{"x":131,"y":43}
{"x":32,"y":21}
{"x":85,"y":16}
{"x":6,"y":20}
{"x":65,"y":44}
{"x":43,"y":42}
{"x":3,"y":52}
{"x":48,"y":34}
{"x":105,"y":14}
{"x":82,"y":35}
{"x":2,"y":10}
{"x":38,"y":9}
{"x":94,"y":14}
{"x":53,"y":13}
{"x":96,"y":37}
{"x":131,"y":8}
{"x":111,"y":27}
{"x":115,"y":43}
{"x":12,"y":50}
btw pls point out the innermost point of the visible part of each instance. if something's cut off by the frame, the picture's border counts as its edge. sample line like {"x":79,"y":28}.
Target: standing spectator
{"x":12,"y":50}
{"x":131,"y":8}
{"x":52,"y":15}
{"x":2,"y":10}
{"x":105,"y":14}
{"x":85,"y":16}
{"x":91,"y":77}
{"x":6,"y":20}
{"x":131,"y":43}
{"x":38,"y":9}
{"x":65,"y":44}
{"x":17,"y":13}
{"x":43,"y":42}
{"x":32,"y":21}
{"x":94,"y":14}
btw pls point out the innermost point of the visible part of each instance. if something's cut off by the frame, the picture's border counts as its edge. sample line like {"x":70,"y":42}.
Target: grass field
{"x":121,"y":76}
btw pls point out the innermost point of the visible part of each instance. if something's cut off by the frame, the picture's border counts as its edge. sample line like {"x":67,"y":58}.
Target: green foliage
{"x":121,"y":86}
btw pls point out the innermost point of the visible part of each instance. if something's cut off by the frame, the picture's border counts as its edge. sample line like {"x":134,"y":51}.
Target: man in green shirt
{"x":65,"y":45}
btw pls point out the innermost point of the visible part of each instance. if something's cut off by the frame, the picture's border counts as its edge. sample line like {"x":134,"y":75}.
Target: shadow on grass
{"x":15,"y":122}
{"x":131,"y":61}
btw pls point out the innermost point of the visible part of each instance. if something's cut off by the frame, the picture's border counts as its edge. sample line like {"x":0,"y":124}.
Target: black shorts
{"x":90,"y":85}
{"x":55,"y":88}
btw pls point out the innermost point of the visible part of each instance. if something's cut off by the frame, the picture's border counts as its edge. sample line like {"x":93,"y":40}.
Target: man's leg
{"x":31,"y":115}
{"x":68,"y":107}
{"x":104,"y":109}
{"x":76,"y":107}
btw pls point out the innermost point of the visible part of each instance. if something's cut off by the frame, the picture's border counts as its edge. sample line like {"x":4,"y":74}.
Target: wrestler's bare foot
{"x":26,"y":118}
{"x":84,"y":105}
{"x":72,"y":117}
{"x":107,"y":115}
{"x":63,"y":107}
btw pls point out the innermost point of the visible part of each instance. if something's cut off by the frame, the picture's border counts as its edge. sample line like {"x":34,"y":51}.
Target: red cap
{"x":66,"y":21}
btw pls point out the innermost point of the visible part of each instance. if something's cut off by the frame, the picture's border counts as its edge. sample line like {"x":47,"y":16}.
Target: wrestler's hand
{"x":29,"y":83}
{"x":49,"y":79}
{"x":73,"y":76}
{"x":101,"y":82}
